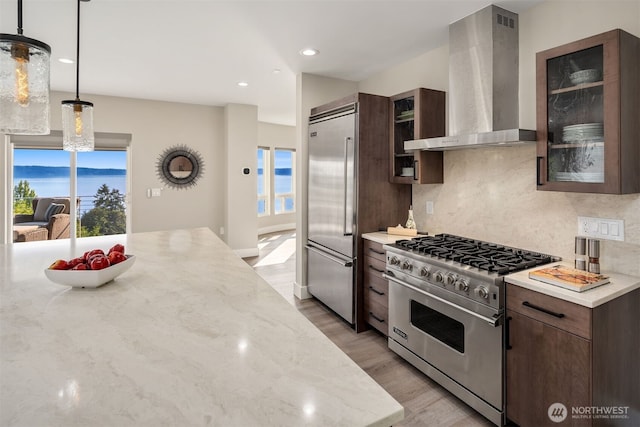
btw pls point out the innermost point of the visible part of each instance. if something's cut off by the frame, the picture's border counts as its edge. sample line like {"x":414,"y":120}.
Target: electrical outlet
{"x":601,"y":228}
{"x":429,"y":207}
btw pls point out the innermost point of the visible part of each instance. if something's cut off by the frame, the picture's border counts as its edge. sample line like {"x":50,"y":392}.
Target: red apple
{"x":76,"y":261}
{"x":60,"y":264}
{"x":98,"y":262}
{"x":117,"y":248}
{"x":116,"y":257}
{"x":89,"y":254}
{"x":81,"y":266}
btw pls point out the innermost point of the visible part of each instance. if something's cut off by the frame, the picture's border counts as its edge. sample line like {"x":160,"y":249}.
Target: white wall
{"x":154,"y":127}
{"x":276,"y":136}
{"x":490,"y":193}
{"x":225,"y":137}
{"x":241,"y":125}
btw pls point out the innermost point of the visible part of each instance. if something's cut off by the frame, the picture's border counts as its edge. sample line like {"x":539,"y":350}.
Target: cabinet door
{"x":545,"y":365}
{"x":582,"y":130}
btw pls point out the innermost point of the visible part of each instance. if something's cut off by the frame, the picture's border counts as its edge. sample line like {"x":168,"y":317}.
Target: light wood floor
{"x":425,"y":402}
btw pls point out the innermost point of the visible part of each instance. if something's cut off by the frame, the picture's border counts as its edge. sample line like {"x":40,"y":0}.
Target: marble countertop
{"x":190,"y":335}
{"x":620,"y":284}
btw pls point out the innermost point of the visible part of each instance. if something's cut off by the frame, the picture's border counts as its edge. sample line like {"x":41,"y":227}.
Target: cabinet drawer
{"x":377,"y":316}
{"x":374,"y":249}
{"x":565,"y":315}
{"x":376,"y":289}
{"x":374,"y":266}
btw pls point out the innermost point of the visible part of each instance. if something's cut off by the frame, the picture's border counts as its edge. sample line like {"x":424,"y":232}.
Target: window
{"x":101,"y":185}
{"x":284,"y":195}
{"x":263,"y":181}
{"x":276,"y":175}
{"x":40,"y":168}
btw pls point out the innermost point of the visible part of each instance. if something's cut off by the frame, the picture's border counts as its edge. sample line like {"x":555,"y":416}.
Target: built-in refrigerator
{"x":348,"y":194}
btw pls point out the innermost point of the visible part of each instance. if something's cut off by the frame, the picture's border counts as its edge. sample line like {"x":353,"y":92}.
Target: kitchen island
{"x":190,"y":335}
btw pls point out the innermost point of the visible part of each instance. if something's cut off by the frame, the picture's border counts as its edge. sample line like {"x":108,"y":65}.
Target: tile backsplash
{"x":490,"y":194}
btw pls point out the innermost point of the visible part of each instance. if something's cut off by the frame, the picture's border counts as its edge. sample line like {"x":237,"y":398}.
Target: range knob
{"x":425,"y":272}
{"x":407,"y":266}
{"x":462,"y":285}
{"x":394,"y":260}
{"x":481,"y":292}
{"x":439,"y":277}
{"x":451,"y":279}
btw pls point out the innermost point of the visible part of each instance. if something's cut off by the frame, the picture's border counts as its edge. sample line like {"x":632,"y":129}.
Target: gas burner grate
{"x":485,"y":256}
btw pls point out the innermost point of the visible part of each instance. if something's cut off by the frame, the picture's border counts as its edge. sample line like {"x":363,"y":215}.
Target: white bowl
{"x":584,"y":76}
{"x":89,"y":278}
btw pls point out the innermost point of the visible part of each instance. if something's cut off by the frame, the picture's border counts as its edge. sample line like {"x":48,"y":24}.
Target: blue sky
{"x":90,"y":159}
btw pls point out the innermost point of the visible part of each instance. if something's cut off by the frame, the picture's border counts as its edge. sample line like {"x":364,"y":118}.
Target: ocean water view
{"x":87,"y":186}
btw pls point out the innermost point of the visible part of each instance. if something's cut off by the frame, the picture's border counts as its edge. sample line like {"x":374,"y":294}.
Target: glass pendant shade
{"x":24,"y":85}
{"x":77,"y":126}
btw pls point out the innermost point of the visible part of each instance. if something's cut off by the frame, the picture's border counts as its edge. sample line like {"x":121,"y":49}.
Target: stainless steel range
{"x":446,"y":312}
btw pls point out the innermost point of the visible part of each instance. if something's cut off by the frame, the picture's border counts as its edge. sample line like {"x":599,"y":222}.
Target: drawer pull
{"x":375,"y":269}
{"x":376,"y":317}
{"x":544,"y":310}
{"x":376,"y":291}
{"x":377,"y":252}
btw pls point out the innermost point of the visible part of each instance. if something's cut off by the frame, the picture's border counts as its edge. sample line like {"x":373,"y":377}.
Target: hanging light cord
{"x":20,"y":17}
{"x":77,"y":56}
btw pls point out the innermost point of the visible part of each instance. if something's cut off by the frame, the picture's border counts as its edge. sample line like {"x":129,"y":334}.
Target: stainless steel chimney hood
{"x":483,"y":84}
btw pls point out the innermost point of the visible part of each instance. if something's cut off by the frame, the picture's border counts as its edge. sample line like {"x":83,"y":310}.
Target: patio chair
{"x":49,"y":213}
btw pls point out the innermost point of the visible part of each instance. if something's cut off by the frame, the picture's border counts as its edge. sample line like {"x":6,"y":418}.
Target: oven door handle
{"x":490,"y":320}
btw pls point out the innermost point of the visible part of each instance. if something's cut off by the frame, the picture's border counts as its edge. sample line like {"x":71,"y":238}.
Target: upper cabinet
{"x":416,"y":114}
{"x":588,"y":115}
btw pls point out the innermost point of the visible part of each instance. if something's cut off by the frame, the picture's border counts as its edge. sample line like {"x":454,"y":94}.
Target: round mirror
{"x":179,"y":167}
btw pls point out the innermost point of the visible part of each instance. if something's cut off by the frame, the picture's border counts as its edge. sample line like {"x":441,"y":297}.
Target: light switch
{"x":614,"y":229}
{"x":155,"y":192}
{"x":601,"y":228}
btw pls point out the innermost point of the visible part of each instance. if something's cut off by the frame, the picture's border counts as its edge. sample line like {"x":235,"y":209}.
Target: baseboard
{"x":301,"y":292}
{"x":247,"y":253}
{"x":276,"y":228}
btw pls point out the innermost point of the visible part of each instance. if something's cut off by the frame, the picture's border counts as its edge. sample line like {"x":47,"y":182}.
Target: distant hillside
{"x":21,"y":172}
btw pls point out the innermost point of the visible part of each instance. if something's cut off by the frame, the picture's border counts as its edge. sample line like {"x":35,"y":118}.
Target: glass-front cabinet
{"x":588,"y":114}
{"x":416,"y":114}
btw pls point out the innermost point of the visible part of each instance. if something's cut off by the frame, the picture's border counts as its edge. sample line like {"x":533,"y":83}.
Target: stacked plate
{"x":583,"y":132}
{"x":405,"y":115}
{"x":584,"y":76}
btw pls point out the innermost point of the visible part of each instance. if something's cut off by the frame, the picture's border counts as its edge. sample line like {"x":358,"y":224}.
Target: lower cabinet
{"x":376,"y":287}
{"x":545,"y":365}
{"x":564,"y":361}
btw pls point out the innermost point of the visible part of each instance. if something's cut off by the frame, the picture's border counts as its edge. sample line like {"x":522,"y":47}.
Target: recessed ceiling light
{"x":276,"y":71}
{"x":243,"y":84}
{"x":309,"y":51}
{"x":66,"y":60}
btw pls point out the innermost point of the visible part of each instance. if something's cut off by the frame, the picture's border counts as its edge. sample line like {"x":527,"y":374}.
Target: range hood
{"x":483,"y":84}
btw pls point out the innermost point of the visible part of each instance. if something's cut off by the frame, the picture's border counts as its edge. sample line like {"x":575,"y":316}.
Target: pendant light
{"x":24,"y":83}
{"x":77,"y":115}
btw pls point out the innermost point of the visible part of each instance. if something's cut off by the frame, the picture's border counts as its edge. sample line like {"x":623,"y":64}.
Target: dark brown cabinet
{"x":416,"y":114}
{"x":588,"y":115}
{"x":559,"y":352}
{"x":376,"y":287}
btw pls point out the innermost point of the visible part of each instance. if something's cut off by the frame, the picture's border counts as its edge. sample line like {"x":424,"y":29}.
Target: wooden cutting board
{"x":401,"y":231}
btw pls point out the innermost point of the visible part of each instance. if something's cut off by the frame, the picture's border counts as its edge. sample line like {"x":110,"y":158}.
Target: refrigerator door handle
{"x":349,"y":166}
{"x":326,"y":255}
